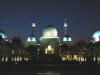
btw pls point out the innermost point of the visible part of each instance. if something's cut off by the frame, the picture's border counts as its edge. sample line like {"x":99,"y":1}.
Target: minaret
{"x":31,"y":40}
{"x":65,"y":28}
{"x":66,"y":35}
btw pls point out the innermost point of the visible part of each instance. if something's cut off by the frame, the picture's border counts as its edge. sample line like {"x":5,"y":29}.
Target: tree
{"x":16,"y":41}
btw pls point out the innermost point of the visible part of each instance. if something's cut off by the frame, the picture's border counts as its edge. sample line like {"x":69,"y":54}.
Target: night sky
{"x":83,"y":16}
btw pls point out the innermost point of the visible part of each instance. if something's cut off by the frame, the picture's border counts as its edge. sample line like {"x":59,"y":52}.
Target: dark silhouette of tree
{"x":16,"y":41}
{"x":32,"y":50}
{"x":17,"y":47}
{"x":64,"y":47}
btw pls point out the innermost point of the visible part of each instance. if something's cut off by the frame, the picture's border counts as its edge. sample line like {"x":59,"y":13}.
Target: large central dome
{"x":50,"y":31}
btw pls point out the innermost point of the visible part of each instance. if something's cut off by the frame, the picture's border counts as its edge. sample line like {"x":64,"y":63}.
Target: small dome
{"x":50,"y":31}
{"x":31,"y":39}
{"x":2,"y":34}
{"x":96,"y":36}
{"x":67,"y":38}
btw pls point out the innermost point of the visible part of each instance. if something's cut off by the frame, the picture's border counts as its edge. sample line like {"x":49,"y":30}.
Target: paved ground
{"x":49,"y":69}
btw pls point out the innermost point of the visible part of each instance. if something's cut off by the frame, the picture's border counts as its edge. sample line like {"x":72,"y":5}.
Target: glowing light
{"x":98,"y":58}
{"x":46,"y":51}
{"x":47,"y":37}
{"x":96,"y":36}
{"x":20,"y":58}
{"x":49,"y":50}
{"x":65,"y":24}
{"x":2,"y":58}
{"x":70,"y":57}
{"x":31,"y":39}
{"x":82,"y":59}
{"x":26,"y":59}
{"x":67,"y":39}
{"x":64,"y":39}
{"x":50,"y":32}
{"x":33,"y":25}
{"x":2,"y":35}
{"x":64,"y":58}
{"x":17,"y":59}
{"x":6,"y":59}
{"x":67,"y":57}
{"x":75,"y":57}
{"x":94,"y":59}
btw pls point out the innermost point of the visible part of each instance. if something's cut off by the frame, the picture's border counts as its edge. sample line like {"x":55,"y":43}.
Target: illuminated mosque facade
{"x":49,"y":42}
{"x":49,"y":45}
{"x":50,"y":32}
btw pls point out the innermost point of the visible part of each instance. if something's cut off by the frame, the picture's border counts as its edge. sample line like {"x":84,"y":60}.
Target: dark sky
{"x":83,"y":16}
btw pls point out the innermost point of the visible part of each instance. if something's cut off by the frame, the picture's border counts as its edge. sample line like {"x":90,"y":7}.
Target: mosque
{"x":49,"y":42}
{"x":51,"y":33}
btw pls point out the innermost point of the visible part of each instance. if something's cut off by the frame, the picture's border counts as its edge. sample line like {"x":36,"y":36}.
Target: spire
{"x":66,"y":35}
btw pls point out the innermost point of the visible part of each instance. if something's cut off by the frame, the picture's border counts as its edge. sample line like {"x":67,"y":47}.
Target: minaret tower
{"x":66,"y":35}
{"x":32,"y":39}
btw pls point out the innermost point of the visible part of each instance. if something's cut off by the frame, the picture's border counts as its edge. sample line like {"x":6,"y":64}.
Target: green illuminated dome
{"x":50,"y":31}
